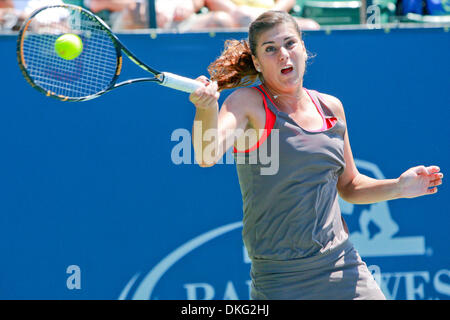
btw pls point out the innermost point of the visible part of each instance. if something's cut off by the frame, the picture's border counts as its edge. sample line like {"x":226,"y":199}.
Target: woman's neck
{"x":288,"y":102}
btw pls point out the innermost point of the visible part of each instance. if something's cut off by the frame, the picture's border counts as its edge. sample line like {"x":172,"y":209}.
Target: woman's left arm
{"x":357,"y":188}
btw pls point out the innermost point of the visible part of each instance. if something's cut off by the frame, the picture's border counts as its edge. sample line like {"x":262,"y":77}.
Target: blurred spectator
{"x":14,"y":12}
{"x":184,"y":15}
{"x":242,"y":12}
{"x":8,"y":16}
{"x":6,"y":4}
{"x":120,"y":14}
{"x":178,"y":14}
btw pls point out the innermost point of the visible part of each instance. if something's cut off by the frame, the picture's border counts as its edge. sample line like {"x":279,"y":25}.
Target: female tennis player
{"x":292,"y":225}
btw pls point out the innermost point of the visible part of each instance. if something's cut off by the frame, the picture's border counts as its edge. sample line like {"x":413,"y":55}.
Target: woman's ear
{"x":256,"y":63}
{"x":305,"y":53}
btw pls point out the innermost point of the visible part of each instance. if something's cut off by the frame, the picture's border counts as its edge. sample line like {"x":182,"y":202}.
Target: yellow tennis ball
{"x":68,"y":46}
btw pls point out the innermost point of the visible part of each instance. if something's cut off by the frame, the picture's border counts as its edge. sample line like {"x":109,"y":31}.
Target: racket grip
{"x":180,"y":83}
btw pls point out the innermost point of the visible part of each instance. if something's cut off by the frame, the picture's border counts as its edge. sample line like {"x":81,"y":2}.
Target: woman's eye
{"x":290,"y":44}
{"x":270,"y":49}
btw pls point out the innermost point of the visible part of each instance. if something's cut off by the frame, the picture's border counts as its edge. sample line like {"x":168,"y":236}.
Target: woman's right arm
{"x":214,"y":131}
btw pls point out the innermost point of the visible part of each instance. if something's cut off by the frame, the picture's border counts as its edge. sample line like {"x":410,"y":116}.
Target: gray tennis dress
{"x":292,"y":226}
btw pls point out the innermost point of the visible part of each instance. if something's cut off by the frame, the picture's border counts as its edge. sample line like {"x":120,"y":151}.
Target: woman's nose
{"x":283,"y":53}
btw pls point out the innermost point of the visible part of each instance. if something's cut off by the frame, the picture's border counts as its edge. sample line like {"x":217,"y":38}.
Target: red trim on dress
{"x":324,"y":126}
{"x":270,"y":122}
{"x":331,"y":122}
{"x":328,"y":123}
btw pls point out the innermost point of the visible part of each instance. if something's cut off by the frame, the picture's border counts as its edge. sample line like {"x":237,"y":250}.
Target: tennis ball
{"x":68,"y":46}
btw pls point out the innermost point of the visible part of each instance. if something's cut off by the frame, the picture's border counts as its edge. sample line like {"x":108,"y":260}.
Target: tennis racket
{"x":95,"y":71}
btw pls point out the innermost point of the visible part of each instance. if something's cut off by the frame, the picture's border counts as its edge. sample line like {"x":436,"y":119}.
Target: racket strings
{"x":88,"y":74}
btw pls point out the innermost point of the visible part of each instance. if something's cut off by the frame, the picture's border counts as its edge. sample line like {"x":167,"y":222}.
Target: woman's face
{"x":280,"y":57}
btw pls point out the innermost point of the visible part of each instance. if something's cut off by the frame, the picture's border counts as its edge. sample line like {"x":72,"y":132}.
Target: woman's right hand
{"x":205,"y":97}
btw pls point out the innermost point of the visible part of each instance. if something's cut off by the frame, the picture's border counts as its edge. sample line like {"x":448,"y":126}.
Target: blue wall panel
{"x":92,"y":205}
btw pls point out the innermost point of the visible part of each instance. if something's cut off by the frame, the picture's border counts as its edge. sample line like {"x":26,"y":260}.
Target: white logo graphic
{"x":145,"y":289}
{"x":383,"y":243}
{"x":181,"y":152}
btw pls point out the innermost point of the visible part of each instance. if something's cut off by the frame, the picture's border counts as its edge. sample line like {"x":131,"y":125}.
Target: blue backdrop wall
{"x":98,"y":202}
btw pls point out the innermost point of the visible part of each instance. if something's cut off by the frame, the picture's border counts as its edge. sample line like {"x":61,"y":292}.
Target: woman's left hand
{"x":419,"y":181}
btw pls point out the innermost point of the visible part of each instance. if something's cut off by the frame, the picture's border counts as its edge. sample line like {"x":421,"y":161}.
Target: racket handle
{"x":180,"y":83}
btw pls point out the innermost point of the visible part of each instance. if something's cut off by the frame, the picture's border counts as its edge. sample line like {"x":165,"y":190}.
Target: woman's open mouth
{"x":287,"y":70}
